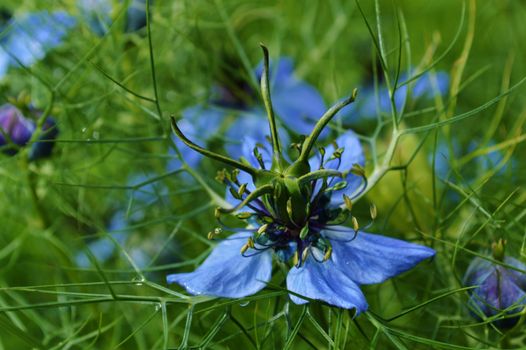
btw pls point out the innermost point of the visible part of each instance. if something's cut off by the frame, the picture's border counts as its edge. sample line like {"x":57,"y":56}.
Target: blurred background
{"x":97,"y":206}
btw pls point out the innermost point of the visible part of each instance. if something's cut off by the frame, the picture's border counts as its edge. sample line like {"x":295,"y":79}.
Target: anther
{"x":373,"y":211}
{"x":244,"y":215}
{"x":304,"y":232}
{"x":328,"y":253}
{"x":262,"y":229}
{"x":355,"y":224}
{"x":358,"y":170}
{"x":242,"y":189}
{"x":234,"y":193}
{"x":348,"y":202}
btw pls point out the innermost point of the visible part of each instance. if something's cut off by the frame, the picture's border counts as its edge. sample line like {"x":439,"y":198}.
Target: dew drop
{"x":138,"y":280}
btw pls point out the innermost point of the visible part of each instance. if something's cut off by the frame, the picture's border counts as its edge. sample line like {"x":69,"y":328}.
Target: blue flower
{"x":28,"y":37}
{"x":297,"y":103}
{"x":473,"y":169}
{"x":371,"y":103}
{"x":330,"y":261}
{"x":16,"y":131}
{"x":296,"y":211}
{"x":97,"y":14}
{"x":120,"y":222}
{"x":499,"y":290}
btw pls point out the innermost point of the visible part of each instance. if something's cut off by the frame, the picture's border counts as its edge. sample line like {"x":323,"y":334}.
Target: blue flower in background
{"x":97,"y":14}
{"x":500,"y":290}
{"x":16,"y":131}
{"x":371,"y":103}
{"x":475,"y":168}
{"x":119,"y":226}
{"x":28,"y":37}
{"x":330,"y":261}
{"x":297,"y":103}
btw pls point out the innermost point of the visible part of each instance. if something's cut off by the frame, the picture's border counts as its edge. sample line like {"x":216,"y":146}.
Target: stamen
{"x":242,"y":190}
{"x":328,"y":253}
{"x":244,"y":215}
{"x":304,"y":232}
{"x":262,"y":229}
{"x":348,"y":202}
{"x":355,"y":224}
{"x":373,"y":211}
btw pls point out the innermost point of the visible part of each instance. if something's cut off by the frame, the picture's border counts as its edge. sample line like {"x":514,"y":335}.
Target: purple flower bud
{"x":16,"y":130}
{"x":499,"y":290}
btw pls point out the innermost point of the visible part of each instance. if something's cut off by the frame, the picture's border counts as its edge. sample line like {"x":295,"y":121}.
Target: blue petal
{"x":14,"y":124}
{"x":226,"y":273}
{"x":326,"y":282}
{"x":478,"y":270}
{"x":136,"y":16}
{"x":352,"y":154}
{"x":496,"y":293}
{"x":45,"y":144}
{"x":97,"y":14}
{"x":518,"y":277}
{"x":297,"y":103}
{"x":4,"y":62}
{"x":198,"y":123}
{"x":370,"y":258}
{"x":34,"y":34}
{"x":249,"y":129}
{"x":425,"y":85}
{"x":280,"y":71}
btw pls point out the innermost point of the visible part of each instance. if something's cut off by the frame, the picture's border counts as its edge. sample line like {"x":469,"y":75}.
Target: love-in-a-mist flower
{"x":500,"y":292}
{"x":297,"y":104}
{"x":28,"y":37}
{"x":16,"y":131}
{"x":295,"y":212}
{"x":98,"y":14}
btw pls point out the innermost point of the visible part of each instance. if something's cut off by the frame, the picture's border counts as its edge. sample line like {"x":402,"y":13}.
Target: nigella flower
{"x":500,"y":290}
{"x":16,"y":131}
{"x":376,"y":102}
{"x":28,"y":37}
{"x":296,"y":213}
{"x":297,"y":103}
{"x":97,"y":14}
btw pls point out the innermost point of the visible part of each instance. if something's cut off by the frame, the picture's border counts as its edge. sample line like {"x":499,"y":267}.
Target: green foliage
{"x":112,"y":97}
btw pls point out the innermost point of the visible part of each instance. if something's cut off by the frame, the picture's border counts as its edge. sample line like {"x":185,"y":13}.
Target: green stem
{"x":225,"y":160}
{"x":265,"y":92}
{"x":267,"y":189}
{"x":320,"y":125}
{"x":319,"y":174}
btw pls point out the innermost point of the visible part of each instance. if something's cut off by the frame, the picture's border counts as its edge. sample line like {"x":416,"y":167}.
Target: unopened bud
{"x":498,"y":249}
